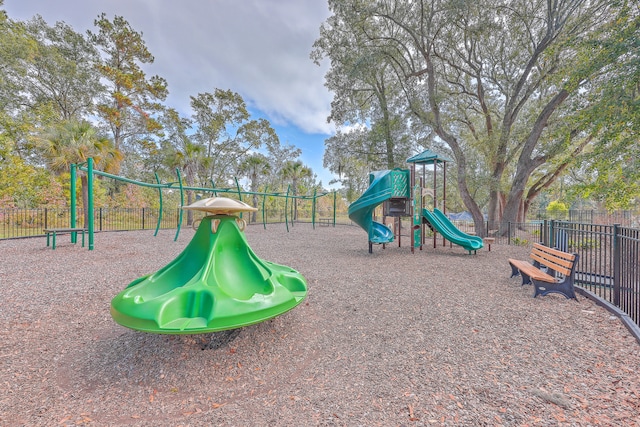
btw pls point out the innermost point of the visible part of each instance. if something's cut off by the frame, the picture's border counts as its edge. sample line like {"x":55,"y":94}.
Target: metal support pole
{"x":239,"y":192}
{"x":313,"y":210}
{"x":160,"y":208}
{"x":181,"y":204}
{"x":334,"y":207}
{"x":72,"y":200}
{"x":444,"y":188}
{"x":89,"y":221}
{"x":286,"y":207}
{"x":72,"y":195}
{"x":264,"y":203}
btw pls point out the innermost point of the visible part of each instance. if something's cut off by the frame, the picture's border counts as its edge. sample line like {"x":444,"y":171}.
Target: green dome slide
{"x":216,"y":283}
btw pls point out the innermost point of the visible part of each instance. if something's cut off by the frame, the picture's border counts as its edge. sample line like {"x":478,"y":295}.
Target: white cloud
{"x":258,"y":48}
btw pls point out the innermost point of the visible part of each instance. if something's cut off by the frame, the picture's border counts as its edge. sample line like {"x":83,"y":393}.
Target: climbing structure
{"x":402,"y":193}
{"x":216,"y":283}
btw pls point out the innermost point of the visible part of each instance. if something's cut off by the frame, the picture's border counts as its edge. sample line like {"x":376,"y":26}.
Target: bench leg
{"x":54,"y":241}
{"x":514,"y":271}
{"x":563,"y":288}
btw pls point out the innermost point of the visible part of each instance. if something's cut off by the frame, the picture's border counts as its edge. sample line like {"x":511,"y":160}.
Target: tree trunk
{"x":527,"y":164}
{"x":254,"y":215}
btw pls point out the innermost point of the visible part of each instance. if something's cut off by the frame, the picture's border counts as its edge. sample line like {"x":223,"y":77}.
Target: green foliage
{"x":61,"y":71}
{"x":131,"y":98}
{"x":557,"y":210}
{"x":609,"y":172}
{"x":584,"y":244}
{"x":518,"y":241}
{"x":503,"y":86}
{"x":133,"y":196}
{"x":25,"y":186}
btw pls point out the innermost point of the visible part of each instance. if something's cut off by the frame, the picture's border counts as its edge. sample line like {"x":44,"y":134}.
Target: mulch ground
{"x":438,"y":337}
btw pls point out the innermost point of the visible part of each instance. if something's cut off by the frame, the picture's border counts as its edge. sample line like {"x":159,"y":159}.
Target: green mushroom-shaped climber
{"x":216,"y":283}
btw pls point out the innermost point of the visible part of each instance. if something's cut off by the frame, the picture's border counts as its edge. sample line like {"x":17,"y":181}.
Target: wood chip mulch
{"x":438,"y":337}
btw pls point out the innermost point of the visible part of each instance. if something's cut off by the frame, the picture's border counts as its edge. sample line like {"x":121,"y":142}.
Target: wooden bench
{"x":325,"y":221}
{"x":53,"y":232}
{"x":559,"y":275}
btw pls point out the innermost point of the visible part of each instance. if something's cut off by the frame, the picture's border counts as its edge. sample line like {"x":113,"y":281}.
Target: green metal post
{"x":160,"y":209}
{"x":213,"y":188}
{"x":264,"y":203}
{"x":89,"y":221}
{"x":286,"y":207}
{"x":181,"y":204}
{"x":334,"y":208}
{"x":313,"y":210}
{"x":239,"y":192}
{"x":72,"y":197}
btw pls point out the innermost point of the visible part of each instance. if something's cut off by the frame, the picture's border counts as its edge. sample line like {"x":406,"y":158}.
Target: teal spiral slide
{"x":361,"y":210}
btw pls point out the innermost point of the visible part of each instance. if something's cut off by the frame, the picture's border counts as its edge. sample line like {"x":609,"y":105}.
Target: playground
{"x":433,"y":337}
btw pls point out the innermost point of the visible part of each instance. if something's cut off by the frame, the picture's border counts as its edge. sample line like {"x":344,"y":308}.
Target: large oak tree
{"x":491,"y":79}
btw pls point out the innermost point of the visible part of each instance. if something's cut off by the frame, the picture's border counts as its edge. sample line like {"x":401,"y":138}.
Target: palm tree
{"x":74,"y":142}
{"x":254,"y":167}
{"x":295,"y":171}
{"x":190,"y":159}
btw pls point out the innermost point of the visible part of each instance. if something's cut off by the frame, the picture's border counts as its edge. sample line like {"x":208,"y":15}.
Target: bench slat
{"x":63,"y":230}
{"x":552,"y":264}
{"x":555,"y":259}
{"x":532,"y":271}
{"x":543,"y":257}
{"x":553,"y":251}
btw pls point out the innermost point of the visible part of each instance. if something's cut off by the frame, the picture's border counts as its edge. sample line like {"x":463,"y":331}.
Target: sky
{"x":257,"y":48}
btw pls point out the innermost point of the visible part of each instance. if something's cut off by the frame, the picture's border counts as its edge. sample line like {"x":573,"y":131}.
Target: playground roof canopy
{"x":428,"y":157}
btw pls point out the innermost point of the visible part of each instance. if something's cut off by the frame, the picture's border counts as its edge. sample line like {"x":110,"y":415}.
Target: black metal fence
{"x":31,"y":222}
{"x":16,"y":223}
{"x":609,"y":264}
{"x":588,"y":216}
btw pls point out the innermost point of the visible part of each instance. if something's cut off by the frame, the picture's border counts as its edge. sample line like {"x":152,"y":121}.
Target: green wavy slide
{"x":449,"y":231}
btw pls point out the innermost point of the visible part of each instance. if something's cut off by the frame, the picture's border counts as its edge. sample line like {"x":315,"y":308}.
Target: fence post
{"x":616,"y":264}
{"x":552,"y":233}
{"x":143,"y":218}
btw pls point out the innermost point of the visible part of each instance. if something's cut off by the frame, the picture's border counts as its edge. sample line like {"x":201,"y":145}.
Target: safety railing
{"x":17,"y":223}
